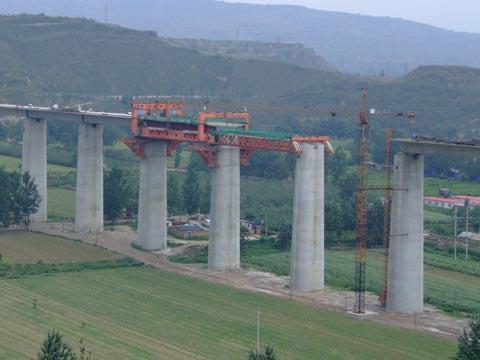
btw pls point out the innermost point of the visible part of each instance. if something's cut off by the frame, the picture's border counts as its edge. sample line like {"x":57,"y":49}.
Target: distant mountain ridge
{"x":352,"y":43}
{"x":295,"y":54}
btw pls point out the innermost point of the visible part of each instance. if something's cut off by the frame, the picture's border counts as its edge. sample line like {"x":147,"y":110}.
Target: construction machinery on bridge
{"x":166,"y":121}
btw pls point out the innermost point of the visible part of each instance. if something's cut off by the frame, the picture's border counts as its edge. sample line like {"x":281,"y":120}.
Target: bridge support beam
{"x":152,"y":202}
{"x":89,"y":195}
{"x":224,"y":237}
{"x":405,"y":263}
{"x":34,"y":161}
{"x":307,"y":256}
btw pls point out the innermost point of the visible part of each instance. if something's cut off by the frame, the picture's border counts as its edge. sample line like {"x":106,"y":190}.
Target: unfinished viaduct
{"x":225,"y":142}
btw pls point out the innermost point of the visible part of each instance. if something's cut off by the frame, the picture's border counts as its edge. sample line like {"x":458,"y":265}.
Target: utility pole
{"x":266,"y":225}
{"x":455,"y":215}
{"x":106,"y":13}
{"x":258,"y":330}
{"x":467,"y":204}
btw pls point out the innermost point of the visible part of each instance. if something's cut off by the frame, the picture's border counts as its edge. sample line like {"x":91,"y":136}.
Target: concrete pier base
{"x":405,"y":264}
{"x":307,"y":256}
{"x":89,"y":195}
{"x":152,"y":202}
{"x":224,"y":237}
{"x":34,"y":161}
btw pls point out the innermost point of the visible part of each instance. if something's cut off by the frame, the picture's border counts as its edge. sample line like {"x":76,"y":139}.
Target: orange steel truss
{"x":159,"y":121}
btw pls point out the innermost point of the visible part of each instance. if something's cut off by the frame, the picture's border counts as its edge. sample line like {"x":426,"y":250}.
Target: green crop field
{"x":432,"y":185}
{"x":61,"y":203}
{"x":29,"y":248}
{"x":13,"y":163}
{"x":144,"y":313}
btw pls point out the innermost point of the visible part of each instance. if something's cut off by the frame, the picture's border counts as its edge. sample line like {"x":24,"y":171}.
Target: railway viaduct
{"x":224,"y":240}
{"x":405,"y":268}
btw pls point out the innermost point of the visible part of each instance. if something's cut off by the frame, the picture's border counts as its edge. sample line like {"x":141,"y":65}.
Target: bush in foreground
{"x":55,"y":348}
{"x":268,"y":355}
{"x":469,"y":342}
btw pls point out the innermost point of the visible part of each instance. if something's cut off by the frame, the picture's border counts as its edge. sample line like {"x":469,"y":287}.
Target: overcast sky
{"x":458,"y":15}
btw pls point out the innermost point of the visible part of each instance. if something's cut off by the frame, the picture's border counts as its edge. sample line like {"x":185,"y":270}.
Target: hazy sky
{"x":458,"y":15}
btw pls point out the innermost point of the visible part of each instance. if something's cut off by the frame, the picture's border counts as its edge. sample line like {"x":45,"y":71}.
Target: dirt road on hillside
{"x":120,"y":238}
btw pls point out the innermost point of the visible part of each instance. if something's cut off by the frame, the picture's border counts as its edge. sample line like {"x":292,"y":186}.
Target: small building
{"x":469,"y":235}
{"x":206,"y":223}
{"x":473,"y":201}
{"x":253,"y":228}
{"x":451,"y":202}
{"x":446,"y":203}
{"x":445,"y":192}
{"x":188,"y":231}
{"x":454,"y":174}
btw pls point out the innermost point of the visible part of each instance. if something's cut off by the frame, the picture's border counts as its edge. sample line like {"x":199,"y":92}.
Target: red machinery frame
{"x":167,"y":122}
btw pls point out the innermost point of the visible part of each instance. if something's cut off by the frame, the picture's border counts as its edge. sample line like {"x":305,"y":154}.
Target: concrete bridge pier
{"x":89,"y":195}
{"x":34,"y":160}
{"x":405,"y":264}
{"x":152,"y":202}
{"x":224,"y":237}
{"x":307,"y":256}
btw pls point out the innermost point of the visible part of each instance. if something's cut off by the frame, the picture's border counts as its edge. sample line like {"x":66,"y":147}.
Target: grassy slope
{"x":61,"y":203}
{"x":13,"y":163}
{"x":149,"y":314}
{"x":28,"y":248}
{"x":448,"y":284}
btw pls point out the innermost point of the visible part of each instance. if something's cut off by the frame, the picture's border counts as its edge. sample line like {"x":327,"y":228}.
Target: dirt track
{"x":432,"y":321}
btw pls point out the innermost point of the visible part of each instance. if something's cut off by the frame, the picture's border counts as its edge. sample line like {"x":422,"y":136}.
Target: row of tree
{"x":190,"y":196}
{"x":19,"y":198}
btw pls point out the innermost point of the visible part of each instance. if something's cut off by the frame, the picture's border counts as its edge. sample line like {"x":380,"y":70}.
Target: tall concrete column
{"x":34,"y":160}
{"x":89,"y":195}
{"x":224,"y":237}
{"x":405,"y":263}
{"x":307,"y":255}
{"x":152,"y":201}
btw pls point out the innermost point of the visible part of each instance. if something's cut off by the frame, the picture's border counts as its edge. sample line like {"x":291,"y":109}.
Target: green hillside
{"x":63,"y":60}
{"x":51,"y":58}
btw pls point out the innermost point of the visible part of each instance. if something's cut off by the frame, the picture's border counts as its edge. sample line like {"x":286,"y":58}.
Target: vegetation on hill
{"x":295,"y":54}
{"x":60,"y":59}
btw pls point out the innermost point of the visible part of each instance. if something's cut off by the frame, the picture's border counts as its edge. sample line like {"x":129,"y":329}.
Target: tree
{"x":174,"y":197}
{"x":26,"y":198}
{"x":205,"y":192}
{"x":55,"y":348}
{"x":268,"y":355}
{"x":191,"y":191}
{"x":284,"y":239}
{"x":469,"y":342}
{"x":116,"y":192}
{"x":6,"y":199}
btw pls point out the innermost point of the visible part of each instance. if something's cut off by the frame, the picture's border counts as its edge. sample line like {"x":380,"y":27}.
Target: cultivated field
{"x":29,"y":248}
{"x":144,"y":313}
